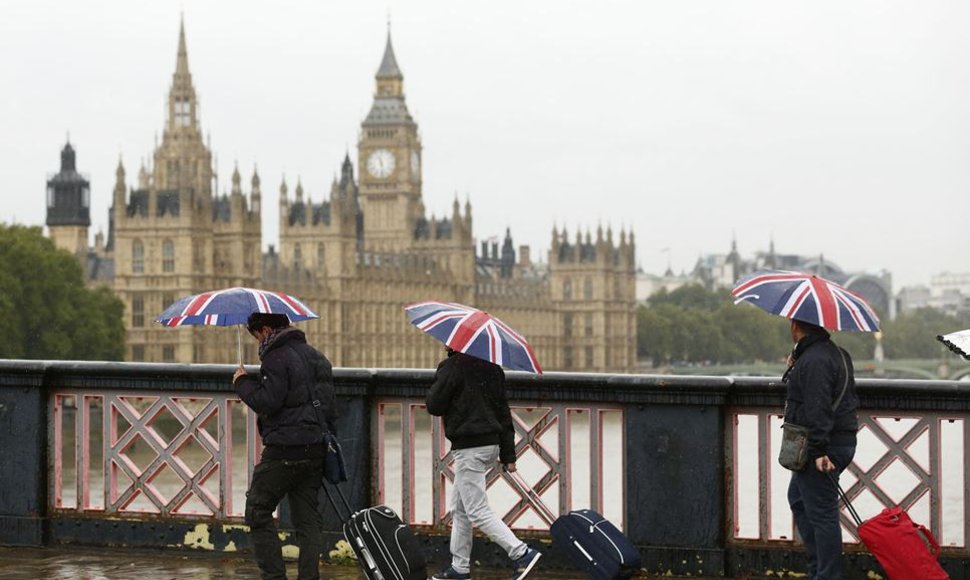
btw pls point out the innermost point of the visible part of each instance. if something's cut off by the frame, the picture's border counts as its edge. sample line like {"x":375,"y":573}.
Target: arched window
{"x":137,"y":257}
{"x":567,"y":289}
{"x":168,"y":256}
{"x":588,"y":288}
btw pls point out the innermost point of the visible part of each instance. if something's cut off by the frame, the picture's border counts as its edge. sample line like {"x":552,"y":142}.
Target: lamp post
{"x":878,"y":356}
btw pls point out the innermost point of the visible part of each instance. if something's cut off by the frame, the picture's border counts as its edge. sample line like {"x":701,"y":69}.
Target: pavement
{"x":71,"y":563}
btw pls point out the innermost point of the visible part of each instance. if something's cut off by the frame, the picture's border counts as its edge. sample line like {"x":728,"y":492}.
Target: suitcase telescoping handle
{"x":845,"y":499}
{"x":343,"y":498}
{"x":530,"y":494}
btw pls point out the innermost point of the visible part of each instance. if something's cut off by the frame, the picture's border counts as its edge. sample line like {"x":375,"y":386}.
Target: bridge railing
{"x":160,"y":455}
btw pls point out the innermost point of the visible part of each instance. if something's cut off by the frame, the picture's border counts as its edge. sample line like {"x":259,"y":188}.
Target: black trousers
{"x":814,"y":504}
{"x":299,"y":481}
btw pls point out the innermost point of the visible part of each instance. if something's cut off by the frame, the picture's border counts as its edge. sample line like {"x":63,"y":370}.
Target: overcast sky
{"x":840,"y":128}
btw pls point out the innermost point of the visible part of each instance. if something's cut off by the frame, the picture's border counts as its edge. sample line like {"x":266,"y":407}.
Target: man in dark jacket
{"x":291,"y":464}
{"x":821,"y":397}
{"x":469,"y":394}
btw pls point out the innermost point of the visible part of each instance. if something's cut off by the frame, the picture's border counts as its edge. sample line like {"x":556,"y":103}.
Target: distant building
{"x":724,"y":270}
{"x":69,"y":205}
{"x":649,"y":284}
{"x":948,"y":292}
{"x":356,"y":257}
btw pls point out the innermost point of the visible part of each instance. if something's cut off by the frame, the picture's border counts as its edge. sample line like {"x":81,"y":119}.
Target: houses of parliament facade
{"x":355,"y":259}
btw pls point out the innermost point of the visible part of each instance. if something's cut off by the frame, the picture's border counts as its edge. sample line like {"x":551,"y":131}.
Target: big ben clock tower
{"x":389,"y":158}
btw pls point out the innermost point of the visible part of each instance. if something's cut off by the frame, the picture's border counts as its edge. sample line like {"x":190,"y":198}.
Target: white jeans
{"x":469,"y":506}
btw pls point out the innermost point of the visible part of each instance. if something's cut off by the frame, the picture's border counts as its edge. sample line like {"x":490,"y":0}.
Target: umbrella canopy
{"x":473,"y":332}
{"x":232,"y":306}
{"x":808,"y":298}
{"x":958,"y":342}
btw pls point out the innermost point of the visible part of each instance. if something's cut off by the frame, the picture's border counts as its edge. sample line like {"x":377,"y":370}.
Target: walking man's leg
{"x":461,"y":529}
{"x":473,"y":465}
{"x":305,"y":511}
{"x":815,"y":506}
{"x":805,"y":529}
{"x":269,"y":485}
{"x":461,"y":532}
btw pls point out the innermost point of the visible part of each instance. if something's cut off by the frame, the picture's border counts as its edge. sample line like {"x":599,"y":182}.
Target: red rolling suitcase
{"x":906,"y":550}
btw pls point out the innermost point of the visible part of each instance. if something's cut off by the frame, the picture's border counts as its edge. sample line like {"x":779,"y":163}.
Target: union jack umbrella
{"x":808,"y":298}
{"x":232,"y":306}
{"x":958,"y":342}
{"x":473,"y":332}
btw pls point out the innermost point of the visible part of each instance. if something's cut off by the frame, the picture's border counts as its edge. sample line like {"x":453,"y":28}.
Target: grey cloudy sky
{"x":838,"y":127}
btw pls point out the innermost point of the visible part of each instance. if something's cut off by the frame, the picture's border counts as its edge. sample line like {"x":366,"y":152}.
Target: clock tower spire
{"x":389,"y":158}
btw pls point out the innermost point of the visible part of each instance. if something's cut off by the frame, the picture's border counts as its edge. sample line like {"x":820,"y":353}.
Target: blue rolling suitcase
{"x":592,"y":542}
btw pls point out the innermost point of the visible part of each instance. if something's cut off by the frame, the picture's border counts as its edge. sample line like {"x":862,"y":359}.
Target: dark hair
{"x":258,"y":320}
{"x":809,"y":328}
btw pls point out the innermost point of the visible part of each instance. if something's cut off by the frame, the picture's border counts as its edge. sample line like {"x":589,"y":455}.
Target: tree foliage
{"x":913,"y":334}
{"x":46,"y":311}
{"x":696,"y":325}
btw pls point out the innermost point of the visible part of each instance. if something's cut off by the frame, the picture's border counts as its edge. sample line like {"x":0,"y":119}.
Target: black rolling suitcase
{"x":385,"y":546}
{"x":591,"y":541}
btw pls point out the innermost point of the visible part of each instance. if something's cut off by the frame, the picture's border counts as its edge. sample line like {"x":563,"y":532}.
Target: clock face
{"x":415,"y":162}
{"x":380,"y":164}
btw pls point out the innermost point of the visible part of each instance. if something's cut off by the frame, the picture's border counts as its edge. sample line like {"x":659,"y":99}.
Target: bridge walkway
{"x":72,"y":563}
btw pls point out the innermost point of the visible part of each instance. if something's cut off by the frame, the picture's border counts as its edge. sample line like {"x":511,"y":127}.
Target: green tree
{"x":693,"y":324}
{"x":668,"y":332}
{"x":692,"y":296}
{"x":752,"y":334}
{"x":655,"y":332}
{"x":46,"y":311}
{"x":913,"y":334}
{"x":861,"y":345}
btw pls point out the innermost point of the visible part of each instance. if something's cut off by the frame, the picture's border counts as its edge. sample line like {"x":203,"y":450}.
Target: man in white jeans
{"x":469,"y":395}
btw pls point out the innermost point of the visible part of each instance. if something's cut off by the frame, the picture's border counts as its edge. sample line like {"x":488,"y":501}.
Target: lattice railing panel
{"x":918,"y":462}
{"x":168,"y":455}
{"x":560,"y":454}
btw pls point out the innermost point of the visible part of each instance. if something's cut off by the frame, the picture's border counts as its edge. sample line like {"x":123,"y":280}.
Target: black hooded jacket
{"x":281,"y":395}
{"x":814,"y":384}
{"x":469,"y":394}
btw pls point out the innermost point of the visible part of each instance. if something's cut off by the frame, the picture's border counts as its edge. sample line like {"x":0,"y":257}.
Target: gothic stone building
{"x":356,"y":258}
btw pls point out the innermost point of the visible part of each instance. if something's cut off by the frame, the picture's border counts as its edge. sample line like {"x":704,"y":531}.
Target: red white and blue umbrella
{"x":232,"y":306}
{"x":473,"y":332}
{"x":808,"y":298}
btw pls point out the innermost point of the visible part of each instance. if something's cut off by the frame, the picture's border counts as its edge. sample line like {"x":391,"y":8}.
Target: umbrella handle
{"x":239,"y":344}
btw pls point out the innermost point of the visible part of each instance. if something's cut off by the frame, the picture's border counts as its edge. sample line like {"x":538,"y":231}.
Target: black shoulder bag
{"x":794,"y":439}
{"x":334,"y":468}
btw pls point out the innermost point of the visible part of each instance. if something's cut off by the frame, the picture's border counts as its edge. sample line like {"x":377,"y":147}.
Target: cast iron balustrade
{"x":153,"y":455}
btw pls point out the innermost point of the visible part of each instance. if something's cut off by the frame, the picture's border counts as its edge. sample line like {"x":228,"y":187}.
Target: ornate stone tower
{"x":173,"y":238}
{"x":69,"y":206}
{"x":389,"y":158}
{"x":183,"y":163}
{"x":593,"y":286}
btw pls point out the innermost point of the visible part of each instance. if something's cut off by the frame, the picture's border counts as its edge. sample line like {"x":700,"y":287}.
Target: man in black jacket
{"x":469,"y":394}
{"x":291,"y":464}
{"x":821,"y":397}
